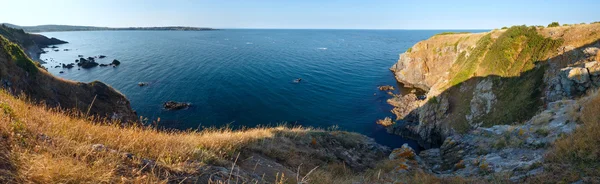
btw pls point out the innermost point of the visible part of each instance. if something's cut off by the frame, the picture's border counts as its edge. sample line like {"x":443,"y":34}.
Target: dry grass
{"x":382,"y":173}
{"x":542,"y":118}
{"x":577,"y":156}
{"x":46,"y":146}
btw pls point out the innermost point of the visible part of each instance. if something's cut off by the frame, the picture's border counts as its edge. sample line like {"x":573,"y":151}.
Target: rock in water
{"x":386,"y":88}
{"x":172,"y":105}
{"x":116,"y":62}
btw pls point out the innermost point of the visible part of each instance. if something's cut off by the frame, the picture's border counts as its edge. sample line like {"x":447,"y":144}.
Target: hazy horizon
{"x":310,"y":14}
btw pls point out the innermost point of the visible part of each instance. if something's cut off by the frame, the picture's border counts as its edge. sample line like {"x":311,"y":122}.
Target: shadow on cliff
{"x":469,"y":104}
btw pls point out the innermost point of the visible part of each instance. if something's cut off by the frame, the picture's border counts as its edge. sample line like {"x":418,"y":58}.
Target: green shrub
{"x":554,"y":24}
{"x":18,"y":56}
{"x":450,"y":33}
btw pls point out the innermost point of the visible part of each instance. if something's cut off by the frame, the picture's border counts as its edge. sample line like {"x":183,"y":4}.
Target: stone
{"x":482,"y":102}
{"x":404,"y":152}
{"x":591,"y":51}
{"x":98,"y":147}
{"x":386,"y":88}
{"x":115,"y":62}
{"x":579,"y":75}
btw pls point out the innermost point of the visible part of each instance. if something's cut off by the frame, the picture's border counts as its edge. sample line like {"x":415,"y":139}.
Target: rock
{"x":172,"y":105}
{"x":482,"y":102}
{"x":579,"y":75}
{"x":87,"y":63}
{"x":142,"y":84}
{"x":98,"y":148}
{"x":432,"y":158}
{"x":80,"y":55}
{"x":61,"y":72}
{"x":404,"y":105}
{"x":103,"y":65}
{"x":387,"y":121}
{"x":404,"y":152}
{"x":386,"y":88}
{"x":451,"y":152}
{"x":101,"y":56}
{"x":591,"y":51}
{"x":68,"y":65}
{"x":116,"y":62}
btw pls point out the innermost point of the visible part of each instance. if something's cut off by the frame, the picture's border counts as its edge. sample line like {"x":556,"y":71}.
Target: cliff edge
{"x":20,"y":75}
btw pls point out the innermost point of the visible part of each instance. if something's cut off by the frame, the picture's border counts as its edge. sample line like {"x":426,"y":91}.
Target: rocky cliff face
{"x":21,"y":75}
{"x":495,"y":101}
{"x":493,"y":78}
{"x":32,"y":44}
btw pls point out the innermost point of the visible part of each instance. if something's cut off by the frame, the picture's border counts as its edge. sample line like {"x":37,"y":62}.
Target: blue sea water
{"x":245,"y":77}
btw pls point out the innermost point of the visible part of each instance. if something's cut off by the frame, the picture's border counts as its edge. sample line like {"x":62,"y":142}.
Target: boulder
{"x":172,"y":105}
{"x":68,"y":65}
{"x":579,"y":75}
{"x":115,"y":62}
{"x":591,"y":51}
{"x":101,"y":56}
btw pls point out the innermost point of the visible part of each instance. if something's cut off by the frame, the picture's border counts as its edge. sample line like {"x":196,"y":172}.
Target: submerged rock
{"x":172,"y":105}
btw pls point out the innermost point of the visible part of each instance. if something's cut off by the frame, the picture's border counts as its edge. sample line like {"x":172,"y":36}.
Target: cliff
{"x":20,"y":75}
{"x":32,"y":44}
{"x":495,"y":102}
{"x":493,"y":78}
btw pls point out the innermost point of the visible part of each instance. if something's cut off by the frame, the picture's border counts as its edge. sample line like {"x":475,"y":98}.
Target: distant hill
{"x":55,"y":28}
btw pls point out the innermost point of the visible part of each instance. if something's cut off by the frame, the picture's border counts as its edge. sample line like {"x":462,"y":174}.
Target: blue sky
{"x":311,"y":14}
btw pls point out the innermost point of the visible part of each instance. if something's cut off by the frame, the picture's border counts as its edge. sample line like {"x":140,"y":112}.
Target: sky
{"x":300,"y":14}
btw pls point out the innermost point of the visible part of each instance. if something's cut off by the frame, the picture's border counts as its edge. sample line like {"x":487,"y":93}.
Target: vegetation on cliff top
{"x":18,"y":56}
{"x":509,"y":61}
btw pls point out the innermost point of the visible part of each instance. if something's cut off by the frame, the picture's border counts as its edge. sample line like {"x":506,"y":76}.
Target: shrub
{"x":554,"y":24}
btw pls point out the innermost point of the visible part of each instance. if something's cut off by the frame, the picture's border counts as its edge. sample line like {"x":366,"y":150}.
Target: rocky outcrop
{"x":20,"y":75}
{"x":513,"y":150}
{"x":470,"y":83}
{"x":482,"y":102}
{"x":32,"y":44}
{"x":574,"y":81}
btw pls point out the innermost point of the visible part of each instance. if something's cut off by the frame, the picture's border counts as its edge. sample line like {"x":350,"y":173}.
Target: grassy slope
{"x":45,"y":145}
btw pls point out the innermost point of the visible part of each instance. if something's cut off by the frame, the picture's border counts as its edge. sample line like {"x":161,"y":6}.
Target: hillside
{"x":57,"y":28}
{"x":20,"y":75}
{"x":496,"y":102}
{"x":32,"y":44}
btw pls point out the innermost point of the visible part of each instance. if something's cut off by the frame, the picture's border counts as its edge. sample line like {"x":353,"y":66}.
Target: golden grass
{"x":577,"y":156}
{"x":47,"y":146}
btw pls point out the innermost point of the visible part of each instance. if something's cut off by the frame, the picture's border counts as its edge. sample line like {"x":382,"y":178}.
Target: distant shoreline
{"x":64,"y":28}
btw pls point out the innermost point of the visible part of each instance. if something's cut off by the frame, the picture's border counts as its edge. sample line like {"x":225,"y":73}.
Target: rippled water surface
{"x":245,"y":77}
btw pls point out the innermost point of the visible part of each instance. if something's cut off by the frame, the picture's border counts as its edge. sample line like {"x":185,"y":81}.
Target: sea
{"x":246,"y":77}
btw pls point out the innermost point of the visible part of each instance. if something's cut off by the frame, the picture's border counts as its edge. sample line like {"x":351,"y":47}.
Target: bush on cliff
{"x":554,"y":24}
{"x":18,"y":56}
